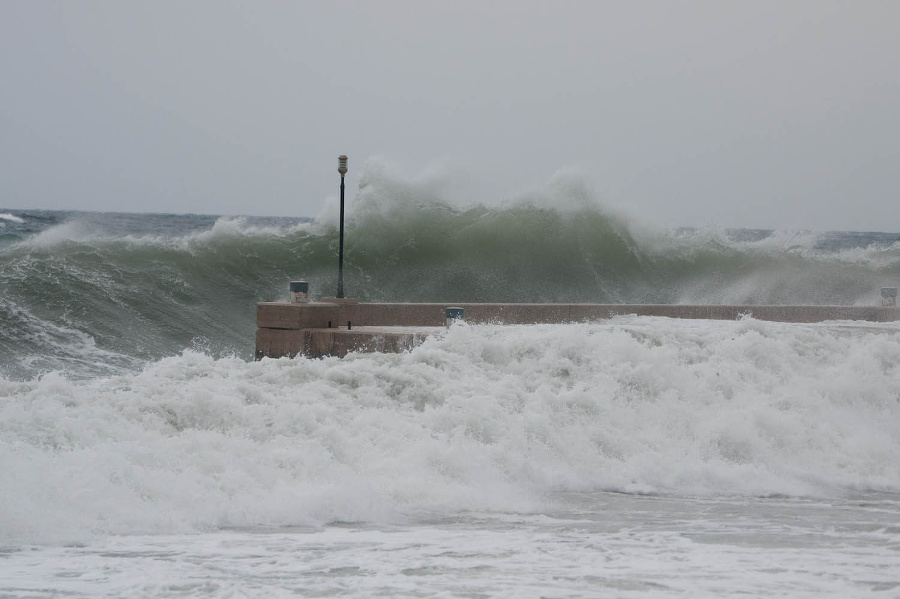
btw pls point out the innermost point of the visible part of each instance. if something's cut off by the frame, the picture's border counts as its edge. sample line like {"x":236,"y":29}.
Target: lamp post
{"x":342,"y":169}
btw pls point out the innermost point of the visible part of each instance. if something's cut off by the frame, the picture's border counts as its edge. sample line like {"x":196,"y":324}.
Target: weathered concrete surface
{"x":320,"y":328}
{"x":278,"y":343}
{"x":278,"y":315}
{"x":340,"y":342}
{"x":319,"y":342}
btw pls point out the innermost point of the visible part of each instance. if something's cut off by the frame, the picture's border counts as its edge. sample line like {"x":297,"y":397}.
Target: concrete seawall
{"x":337,"y":327}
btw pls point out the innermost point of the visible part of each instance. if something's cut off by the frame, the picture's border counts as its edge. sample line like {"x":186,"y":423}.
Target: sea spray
{"x":482,"y":418}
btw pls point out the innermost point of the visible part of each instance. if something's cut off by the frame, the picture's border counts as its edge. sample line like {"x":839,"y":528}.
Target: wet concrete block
{"x":277,"y":343}
{"x":340,"y":342}
{"x":283,"y":315}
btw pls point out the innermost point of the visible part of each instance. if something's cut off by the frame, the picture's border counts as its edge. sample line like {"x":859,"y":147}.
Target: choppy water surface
{"x":98,"y":294}
{"x":143,"y":452}
{"x":589,"y":545}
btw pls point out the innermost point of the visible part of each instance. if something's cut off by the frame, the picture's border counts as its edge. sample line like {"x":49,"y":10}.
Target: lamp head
{"x":342,"y":165}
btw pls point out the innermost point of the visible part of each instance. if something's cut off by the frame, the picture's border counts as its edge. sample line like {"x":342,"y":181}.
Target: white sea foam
{"x":6,"y":216}
{"x":608,"y":545}
{"x":238,"y":226}
{"x":224,"y":228}
{"x":58,"y":234}
{"x":484,"y":418}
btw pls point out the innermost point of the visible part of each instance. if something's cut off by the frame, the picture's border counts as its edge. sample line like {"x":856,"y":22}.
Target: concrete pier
{"x":335,"y":327}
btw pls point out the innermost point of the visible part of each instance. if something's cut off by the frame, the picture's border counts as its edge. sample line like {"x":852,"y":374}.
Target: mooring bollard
{"x":889,"y":296}
{"x":299,"y":292}
{"x":454,"y":315}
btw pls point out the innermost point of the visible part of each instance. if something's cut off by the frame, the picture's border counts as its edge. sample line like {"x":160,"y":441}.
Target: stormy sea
{"x":143,"y":452}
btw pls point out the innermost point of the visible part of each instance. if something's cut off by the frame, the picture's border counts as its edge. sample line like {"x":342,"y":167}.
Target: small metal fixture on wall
{"x":299,"y":292}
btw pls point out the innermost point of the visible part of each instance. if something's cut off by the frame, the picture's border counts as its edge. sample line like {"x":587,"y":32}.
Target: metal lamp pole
{"x":342,"y":169}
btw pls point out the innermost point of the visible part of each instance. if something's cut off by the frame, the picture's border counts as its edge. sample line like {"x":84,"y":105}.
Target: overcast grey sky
{"x":756,"y":114}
